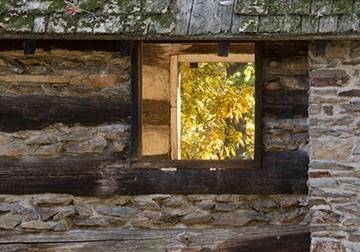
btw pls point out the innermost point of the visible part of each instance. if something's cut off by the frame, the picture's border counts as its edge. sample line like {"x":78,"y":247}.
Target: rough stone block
{"x":292,"y":24}
{"x":85,"y":24}
{"x":310,"y":24}
{"x":332,"y":149}
{"x":271,"y":24}
{"x":326,"y":78}
{"x":300,"y":7}
{"x":245,"y":24}
{"x":321,"y":7}
{"x":278,"y":7}
{"x":348,"y":23}
{"x":9,"y":221}
{"x":237,"y":219}
{"x":123,"y":7}
{"x":110,"y":24}
{"x":342,"y":7}
{"x":252,"y":7}
{"x":155,"y":6}
{"x":40,"y":23}
{"x":91,"y":5}
{"x":60,"y":24}
{"x":328,"y":24}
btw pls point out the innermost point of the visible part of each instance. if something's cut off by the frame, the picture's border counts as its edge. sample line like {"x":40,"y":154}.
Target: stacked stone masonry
{"x":60,"y":212}
{"x":65,"y":74}
{"x":334,"y":147}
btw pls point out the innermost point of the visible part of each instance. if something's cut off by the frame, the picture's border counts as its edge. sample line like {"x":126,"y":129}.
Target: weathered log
{"x":285,"y":111}
{"x":38,"y":111}
{"x":280,"y":173}
{"x":259,"y":238}
{"x":298,"y":97}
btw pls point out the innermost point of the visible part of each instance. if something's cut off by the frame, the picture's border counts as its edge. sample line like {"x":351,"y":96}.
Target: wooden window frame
{"x":136,"y":146}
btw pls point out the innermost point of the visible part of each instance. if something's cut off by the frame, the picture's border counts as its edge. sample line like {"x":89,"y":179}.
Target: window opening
{"x":217,"y":111}
{"x":213,"y":107}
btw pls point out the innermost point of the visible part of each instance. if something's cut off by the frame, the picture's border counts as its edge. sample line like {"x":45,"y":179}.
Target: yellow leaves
{"x":217,"y":111}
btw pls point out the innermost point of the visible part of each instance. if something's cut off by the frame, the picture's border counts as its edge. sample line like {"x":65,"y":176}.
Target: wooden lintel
{"x":281,"y":173}
{"x":255,"y":239}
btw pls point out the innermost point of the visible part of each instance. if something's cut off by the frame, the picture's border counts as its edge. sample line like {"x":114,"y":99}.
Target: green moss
{"x":271,"y":24}
{"x":20,"y":23}
{"x":278,"y":7}
{"x":252,"y":7}
{"x":300,"y":7}
{"x":321,"y":7}
{"x":129,"y":6}
{"x":135,"y":24}
{"x":56,"y":6}
{"x":292,"y":25}
{"x":6,"y":4}
{"x":155,"y":6}
{"x":245,"y":24}
{"x":91,"y":5}
{"x":342,"y":7}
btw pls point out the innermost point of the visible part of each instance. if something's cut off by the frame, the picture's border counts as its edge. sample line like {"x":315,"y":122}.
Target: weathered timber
{"x":281,"y":172}
{"x":136,"y":101}
{"x":260,"y":238}
{"x":38,"y":111}
{"x":156,"y":112}
{"x":285,"y":111}
{"x":276,"y":49}
{"x":298,"y":97}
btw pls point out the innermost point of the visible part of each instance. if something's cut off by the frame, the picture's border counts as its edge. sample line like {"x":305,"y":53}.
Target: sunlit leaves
{"x":217,"y":111}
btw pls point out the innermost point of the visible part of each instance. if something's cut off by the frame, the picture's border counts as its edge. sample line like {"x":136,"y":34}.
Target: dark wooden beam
{"x":255,"y":239}
{"x":292,"y":97}
{"x":29,"y":47}
{"x":320,"y":48}
{"x":136,"y":101}
{"x":281,"y":173}
{"x":38,"y":111}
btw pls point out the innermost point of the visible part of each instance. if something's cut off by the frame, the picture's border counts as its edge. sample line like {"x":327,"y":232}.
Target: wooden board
{"x":281,"y":173}
{"x":260,"y":238}
{"x":38,"y":111}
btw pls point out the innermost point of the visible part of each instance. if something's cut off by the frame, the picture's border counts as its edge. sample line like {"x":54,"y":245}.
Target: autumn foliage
{"x":217,"y":111}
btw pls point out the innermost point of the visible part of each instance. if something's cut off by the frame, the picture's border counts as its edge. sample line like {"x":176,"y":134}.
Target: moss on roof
{"x":179,"y":18}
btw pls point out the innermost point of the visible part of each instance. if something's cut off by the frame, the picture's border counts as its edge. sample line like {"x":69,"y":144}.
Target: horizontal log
{"x":285,"y":111}
{"x":280,"y":173}
{"x":38,"y":111}
{"x":259,"y":238}
{"x":292,"y":97}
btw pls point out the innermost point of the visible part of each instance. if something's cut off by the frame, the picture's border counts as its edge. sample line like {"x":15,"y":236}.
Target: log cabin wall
{"x":87,"y":92}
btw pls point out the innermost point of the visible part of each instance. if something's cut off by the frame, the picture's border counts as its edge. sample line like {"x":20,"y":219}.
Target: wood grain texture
{"x":156,"y":112}
{"x":260,"y":238}
{"x":281,"y":173}
{"x":38,"y":111}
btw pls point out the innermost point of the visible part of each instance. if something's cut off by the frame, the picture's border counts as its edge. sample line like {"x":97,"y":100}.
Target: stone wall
{"x":65,"y":74}
{"x":334,"y":147}
{"x":285,"y":98}
{"x":60,"y":212}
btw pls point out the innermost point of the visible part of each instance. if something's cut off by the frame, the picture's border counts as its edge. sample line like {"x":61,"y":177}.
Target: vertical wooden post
{"x":258,"y":101}
{"x":136,"y":101}
{"x":174,"y":107}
